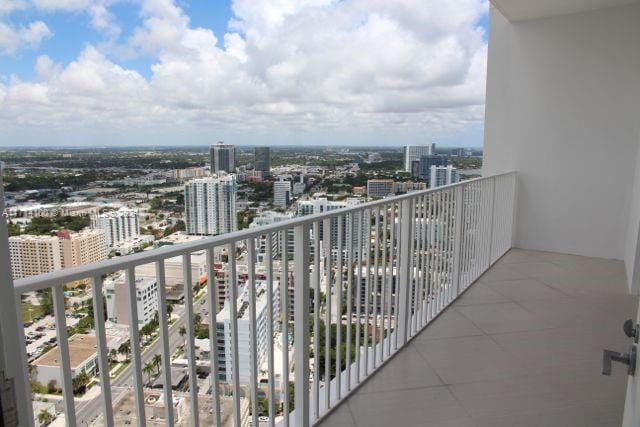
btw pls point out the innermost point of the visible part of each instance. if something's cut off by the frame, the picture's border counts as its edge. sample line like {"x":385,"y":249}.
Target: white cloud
{"x":8,"y":6}
{"x":290,"y":64}
{"x":12,"y":39}
{"x":101,"y":18}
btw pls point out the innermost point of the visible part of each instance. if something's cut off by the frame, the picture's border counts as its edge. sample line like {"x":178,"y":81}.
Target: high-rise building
{"x":262,"y":160}
{"x":413,"y":153}
{"x":299,"y":186}
{"x":82,"y":248}
{"x":443,"y":175}
{"x":243,"y":329}
{"x":427,"y":161}
{"x":33,"y":255}
{"x":380,"y":187}
{"x":282,"y":192}
{"x":117,"y":296}
{"x":278,"y":239}
{"x":119,"y":226}
{"x":210,"y":204}
{"x":223,"y":158}
{"x":319,"y":205}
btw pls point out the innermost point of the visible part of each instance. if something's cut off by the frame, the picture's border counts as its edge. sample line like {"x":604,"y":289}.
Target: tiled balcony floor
{"x":522,"y":347}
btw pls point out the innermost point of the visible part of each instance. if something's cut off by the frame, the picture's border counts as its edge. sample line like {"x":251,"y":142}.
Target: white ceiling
{"x":520,"y":10}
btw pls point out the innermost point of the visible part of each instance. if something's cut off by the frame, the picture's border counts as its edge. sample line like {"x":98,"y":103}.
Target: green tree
{"x":148,"y":369}
{"x":157,"y":361}
{"x":80,"y":382}
{"x":45,"y":418}
{"x":14,"y":229}
{"x":125,"y":349}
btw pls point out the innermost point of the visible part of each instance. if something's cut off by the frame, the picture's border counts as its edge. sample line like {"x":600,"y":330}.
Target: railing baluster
{"x":103,"y":356}
{"x":301,"y":315}
{"x":284,"y":308}
{"x":374,"y":285}
{"x":393,"y":274}
{"x":63,"y":347}
{"x":326,"y":243}
{"x":316,"y":318}
{"x":359,"y":294}
{"x":404,"y":282}
{"x":130,"y":281}
{"x":367,"y":291}
{"x":191,"y":332}
{"x":383,"y":282}
{"x":253,"y":343}
{"x":338,"y":287}
{"x":398,"y":283}
{"x":164,"y":341}
{"x":447,"y":244}
{"x":233,"y":314}
{"x":213,"y":336}
{"x":417,"y":237}
{"x":351,"y":239}
{"x":423,"y":250}
{"x":271,"y":393}
{"x":457,"y":240}
{"x":411,"y":275}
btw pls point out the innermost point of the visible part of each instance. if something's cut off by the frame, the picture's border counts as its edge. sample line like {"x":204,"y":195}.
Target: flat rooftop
{"x":81,"y":348}
{"x":521,"y":347}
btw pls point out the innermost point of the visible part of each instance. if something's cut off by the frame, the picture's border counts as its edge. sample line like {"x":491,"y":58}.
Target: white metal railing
{"x":371,"y":275}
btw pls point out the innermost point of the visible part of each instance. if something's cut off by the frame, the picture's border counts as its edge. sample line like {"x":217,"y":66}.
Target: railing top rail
{"x":59,"y":277}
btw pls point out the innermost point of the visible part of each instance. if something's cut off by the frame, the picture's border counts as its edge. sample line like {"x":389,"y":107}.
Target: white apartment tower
{"x":443,"y":175}
{"x":412,"y":153}
{"x":119,"y":226}
{"x":223,"y":327}
{"x":210,"y":204}
{"x":117,"y":295}
{"x":282,"y":192}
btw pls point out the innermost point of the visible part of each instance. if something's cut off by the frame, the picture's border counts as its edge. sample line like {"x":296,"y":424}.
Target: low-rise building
{"x":83,"y":357}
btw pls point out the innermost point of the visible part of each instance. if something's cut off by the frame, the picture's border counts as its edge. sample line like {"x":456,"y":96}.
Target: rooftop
{"x":81,"y":348}
{"x":523,"y":346}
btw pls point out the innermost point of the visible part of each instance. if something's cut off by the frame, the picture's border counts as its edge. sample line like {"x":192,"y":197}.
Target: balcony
{"x":522,"y":346}
{"x":378,"y":273}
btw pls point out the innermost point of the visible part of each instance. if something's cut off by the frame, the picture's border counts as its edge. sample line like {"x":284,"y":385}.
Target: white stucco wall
{"x":563,"y":97}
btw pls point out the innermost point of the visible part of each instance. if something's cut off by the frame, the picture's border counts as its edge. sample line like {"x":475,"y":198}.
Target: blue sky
{"x":73,"y":30}
{"x":387,"y":74}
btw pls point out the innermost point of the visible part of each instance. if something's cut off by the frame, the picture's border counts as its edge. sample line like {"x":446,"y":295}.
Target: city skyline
{"x":113,"y":73}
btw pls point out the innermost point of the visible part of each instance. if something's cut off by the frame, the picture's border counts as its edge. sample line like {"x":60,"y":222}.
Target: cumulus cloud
{"x":101,"y":18}
{"x":8,"y":6}
{"x":11,"y":39}
{"x":301,"y":64}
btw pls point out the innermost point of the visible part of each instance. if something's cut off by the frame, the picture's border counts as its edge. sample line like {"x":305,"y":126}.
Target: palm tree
{"x":125,"y":349}
{"x":148,"y":369}
{"x":45,"y":418}
{"x":144,"y":331}
{"x":113,"y":354}
{"x":183,"y":331}
{"x":169,"y":309}
{"x":157,"y":361}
